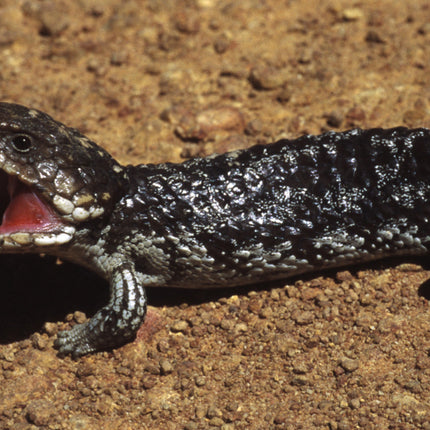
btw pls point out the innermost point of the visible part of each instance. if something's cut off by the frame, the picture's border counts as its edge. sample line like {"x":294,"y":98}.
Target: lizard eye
{"x":22,"y":143}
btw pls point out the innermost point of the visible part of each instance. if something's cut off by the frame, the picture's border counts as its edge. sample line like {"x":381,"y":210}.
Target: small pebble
{"x":50,"y":328}
{"x":352,"y":14}
{"x":310,"y":293}
{"x":292,"y":291}
{"x":275,"y":295}
{"x":163,"y":346}
{"x":255,"y":305}
{"x":254,"y":127}
{"x":325,"y":405}
{"x":39,"y":341}
{"x":334,"y":118}
{"x":267,"y":78}
{"x":366,"y":300}
{"x":166,"y":367}
{"x":7,"y":355}
{"x":39,"y":412}
{"x":187,"y":23}
{"x":79,"y":317}
{"x":210,"y":122}
{"x":216,"y":422}
{"x":364,"y":319}
{"x":266,"y":312}
{"x":241,"y":328}
{"x":200,"y":381}
{"x":152,"y":367}
{"x":343,"y":424}
{"x":300,"y":368}
{"x":201,"y":411}
{"x":221,"y":44}
{"x":284,"y":96}
{"x":409,"y":267}
{"x":354,"y":403}
{"x":85,"y":369}
{"x":233,"y":70}
{"x":53,"y":19}
{"x":389,"y":325}
{"x":349,"y":364}
{"x":213,"y":411}
{"x":299,"y":381}
{"x":227,"y":324}
{"x":179,"y":326}
{"x":149,"y":381}
{"x":303,"y":318}
{"x":173,"y":80}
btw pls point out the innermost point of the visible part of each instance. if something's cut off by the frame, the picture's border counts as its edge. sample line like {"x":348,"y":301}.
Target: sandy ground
{"x":164,"y":80}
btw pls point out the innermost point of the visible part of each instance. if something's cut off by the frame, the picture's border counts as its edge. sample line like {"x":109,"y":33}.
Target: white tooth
{"x":21,"y":238}
{"x":62,"y":238}
{"x":63,"y":205}
{"x":9,"y":243}
{"x":97,"y":211}
{"x":68,"y":229}
{"x":80,"y":214}
{"x":44,"y":240}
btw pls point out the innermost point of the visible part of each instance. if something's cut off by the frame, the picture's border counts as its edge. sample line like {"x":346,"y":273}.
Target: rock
{"x":179,"y":326}
{"x":349,"y":364}
{"x":267,"y":78}
{"x":352,"y":14}
{"x":210,"y":122}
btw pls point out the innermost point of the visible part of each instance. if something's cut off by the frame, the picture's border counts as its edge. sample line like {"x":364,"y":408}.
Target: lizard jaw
{"x":26,"y":218}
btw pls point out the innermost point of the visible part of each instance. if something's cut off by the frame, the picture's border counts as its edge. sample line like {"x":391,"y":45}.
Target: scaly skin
{"x":268,"y":212}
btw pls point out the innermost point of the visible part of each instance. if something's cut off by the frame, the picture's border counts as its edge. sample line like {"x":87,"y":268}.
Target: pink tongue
{"x":26,"y":212}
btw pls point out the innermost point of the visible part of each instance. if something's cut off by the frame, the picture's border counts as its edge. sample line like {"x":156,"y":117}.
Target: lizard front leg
{"x":115,"y":323}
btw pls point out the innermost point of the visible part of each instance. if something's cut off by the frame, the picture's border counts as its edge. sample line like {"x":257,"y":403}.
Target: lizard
{"x":267,"y":212}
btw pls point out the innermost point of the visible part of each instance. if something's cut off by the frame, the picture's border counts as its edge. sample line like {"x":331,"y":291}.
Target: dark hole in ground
{"x":424,"y":290}
{"x":35,"y":290}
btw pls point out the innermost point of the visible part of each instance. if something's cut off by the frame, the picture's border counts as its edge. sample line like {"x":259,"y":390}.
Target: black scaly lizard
{"x":264,"y":213}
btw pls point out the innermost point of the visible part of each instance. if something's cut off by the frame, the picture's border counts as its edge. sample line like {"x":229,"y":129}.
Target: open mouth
{"x":22,"y":209}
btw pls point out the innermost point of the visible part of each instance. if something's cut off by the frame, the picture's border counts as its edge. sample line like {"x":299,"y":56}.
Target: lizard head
{"x":52,"y":180}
